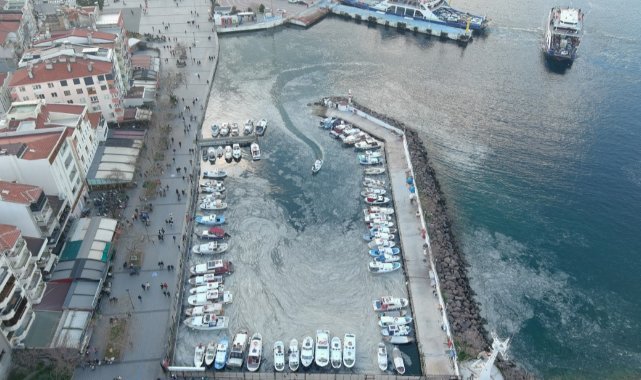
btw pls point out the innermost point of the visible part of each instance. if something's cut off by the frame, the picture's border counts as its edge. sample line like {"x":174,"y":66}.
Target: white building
{"x":5,"y":94}
{"x":72,"y":80}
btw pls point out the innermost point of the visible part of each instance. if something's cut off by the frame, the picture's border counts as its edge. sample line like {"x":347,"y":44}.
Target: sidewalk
{"x":150,"y":317}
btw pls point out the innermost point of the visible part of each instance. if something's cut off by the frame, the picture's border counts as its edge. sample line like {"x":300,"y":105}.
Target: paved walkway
{"x":425,"y":306}
{"x":147,"y":340}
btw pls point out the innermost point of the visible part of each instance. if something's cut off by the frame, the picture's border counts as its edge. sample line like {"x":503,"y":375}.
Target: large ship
{"x":435,"y":11}
{"x":563,"y":34}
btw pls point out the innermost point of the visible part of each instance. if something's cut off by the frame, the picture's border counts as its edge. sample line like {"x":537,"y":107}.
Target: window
{"x":69,"y":101}
{"x":50,"y":85}
{"x":83,"y":100}
{"x":91,"y":91}
{"x":40,"y":96}
{"x":88,"y":81}
{"x":76,"y":81}
{"x":103,"y":87}
{"x":54,"y":94}
{"x":109,"y":76}
{"x":107,"y":97}
{"x":36,"y":87}
{"x":67,"y":92}
{"x":24,"y":99}
{"x":63,"y":83}
{"x":21,"y":89}
{"x":67,"y":162}
{"x":101,"y":78}
{"x":94,"y":99}
{"x":75,"y":188}
{"x":79,"y":91}
{"x":95,"y":108}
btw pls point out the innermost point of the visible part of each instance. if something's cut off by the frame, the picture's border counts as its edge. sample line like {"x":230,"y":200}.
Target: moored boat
{"x":254,"y":355}
{"x":201,"y":280}
{"x":215,"y":174}
{"x":370,"y":161}
{"x":210,"y":220}
{"x":211,"y":155}
{"x":372,"y":199}
{"x":234,"y":131}
{"x":255,"y":151}
{"x":396,"y":330}
{"x":248,"y":128}
{"x":398,"y":339}
{"x":374,"y":171}
{"x":336,"y":354}
{"x":208,"y":308}
{"x":397,"y":358}
{"x":199,"y":355}
{"x":318,"y":164}
{"x":213,"y":205}
{"x":210,"y":353}
{"x":213,"y":233}
{"x":224,"y":129}
{"x":380,"y":210}
{"x":279,"y":356}
{"x":221,"y":353}
{"x":228,"y":153}
{"x":215,"y":130}
{"x":200,"y":299}
{"x":369,"y":154}
{"x":382,"y":356}
{"x":261,"y":127}
{"x":236,"y":153}
{"x":378,"y":235}
{"x":379,"y":267}
{"x":207,"y":287}
{"x":385,"y":320}
{"x":373,"y":191}
{"x":385,"y":258}
{"x":237,"y":353}
{"x":384,"y":251}
{"x":218,"y":267}
{"x":322,"y":348}
{"x":211,"y":248}
{"x":381,"y":243}
{"x":563,"y":34}
{"x":349,"y":350}
{"x":293,"y":355}
{"x":307,"y":352}
{"x":388,"y":303}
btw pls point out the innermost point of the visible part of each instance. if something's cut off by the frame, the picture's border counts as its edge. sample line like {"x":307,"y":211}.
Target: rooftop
{"x":36,"y":114}
{"x":38,"y":54}
{"x":8,"y":236}
{"x":19,"y":193}
{"x":32,"y":147}
{"x":59,"y":69}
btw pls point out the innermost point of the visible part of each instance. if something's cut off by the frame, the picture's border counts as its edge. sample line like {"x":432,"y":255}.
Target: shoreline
{"x":468,"y":327}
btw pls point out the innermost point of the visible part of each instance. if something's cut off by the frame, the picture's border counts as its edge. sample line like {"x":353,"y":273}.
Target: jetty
{"x":432,"y":329}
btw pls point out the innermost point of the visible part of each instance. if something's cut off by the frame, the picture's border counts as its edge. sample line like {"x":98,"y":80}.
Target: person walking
{"x":140,"y":298}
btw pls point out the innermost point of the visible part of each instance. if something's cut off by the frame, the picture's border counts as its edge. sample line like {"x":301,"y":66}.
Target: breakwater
{"x":466,"y":323}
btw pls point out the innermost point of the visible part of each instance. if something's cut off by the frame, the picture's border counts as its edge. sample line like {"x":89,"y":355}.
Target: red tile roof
{"x":78,"y":33}
{"x":59,"y":71}
{"x":75,"y":109}
{"x":19,"y":193}
{"x":39,"y":146}
{"x":94,"y":119}
{"x":8,"y":236}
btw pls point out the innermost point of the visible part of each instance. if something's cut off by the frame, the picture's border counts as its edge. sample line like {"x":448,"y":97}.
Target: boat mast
{"x":498,"y":346}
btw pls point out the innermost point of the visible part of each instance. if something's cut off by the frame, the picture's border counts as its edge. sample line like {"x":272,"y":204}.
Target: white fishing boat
{"x":236,"y":153}
{"x":199,"y":355}
{"x":254,"y":355}
{"x":385,"y":258}
{"x":206,"y":288}
{"x":394,"y":251}
{"x":212,"y":296}
{"x":381,"y":230}
{"x":210,"y":353}
{"x":228,"y":153}
{"x":351,"y":140}
{"x":388,"y":303}
{"x":279,"y":356}
{"x":377,"y":223}
{"x":374,"y":171}
{"x":202,"y":280}
{"x":397,"y":358}
{"x":211,"y":248}
{"x":211,"y":155}
{"x":294,"y":354}
{"x":215,"y":174}
{"x":379,"y":267}
{"x":372,"y":191}
{"x":370,"y":182}
{"x":224,"y":129}
{"x":378,"y":235}
{"x":381,"y":243}
{"x":307,"y":352}
{"x":210,"y":194}
{"x":380,"y":210}
{"x":382,"y":356}
{"x":398,"y":339}
{"x":221,"y":353}
{"x":213,"y":233}
{"x":234,"y":131}
{"x":367,"y":144}
{"x":385,"y":320}
{"x":336,"y":353}
{"x":261,"y":127}
{"x":217,"y":267}
{"x":370,"y":161}
{"x":208,"y":308}
{"x":372,"y":199}
{"x":218,"y":185}
{"x":394,"y":330}
{"x":219,"y":152}
{"x":238,"y":346}
{"x":248,"y":128}
{"x":213,"y":205}
{"x":322,"y":348}
{"x":369,"y":154}
{"x":255,"y":151}
{"x":318,"y":164}
{"x":349,"y":350}
{"x":215,"y":130}
{"x":374,"y":218}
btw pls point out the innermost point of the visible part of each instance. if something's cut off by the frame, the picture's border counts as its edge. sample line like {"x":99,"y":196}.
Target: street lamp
{"x":131,"y":300}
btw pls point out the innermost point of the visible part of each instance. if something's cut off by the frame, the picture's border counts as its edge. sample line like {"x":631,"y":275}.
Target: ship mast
{"x":498,"y":347}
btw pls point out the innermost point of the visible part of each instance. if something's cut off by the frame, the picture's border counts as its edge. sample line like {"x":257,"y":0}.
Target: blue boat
{"x":215,"y":130}
{"x":222,"y":350}
{"x":380,"y":252}
{"x":210,"y":220}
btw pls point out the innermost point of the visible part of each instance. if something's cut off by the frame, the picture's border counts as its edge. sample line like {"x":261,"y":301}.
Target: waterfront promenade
{"x":426,"y":309}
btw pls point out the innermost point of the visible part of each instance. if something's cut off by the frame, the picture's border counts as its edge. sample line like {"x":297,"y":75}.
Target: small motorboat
{"x":279,"y":356}
{"x":351,"y":140}
{"x":385,"y":320}
{"x":372,"y":218}
{"x":238,"y":346}
{"x":370,"y":182}
{"x":224,"y":130}
{"x":398,"y":339}
{"x":234,"y":131}
{"x":381,"y":243}
{"x":217,"y":267}
{"x":385,"y":258}
{"x":307,"y":352}
{"x":221,"y":353}
{"x":199,"y":355}
{"x":261,"y":127}
{"x":382,"y":230}
{"x":200,"y":299}
{"x":322,"y":348}
{"x":393,"y":251}
{"x":213,"y":233}
{"x":208,"y":308}
{"x":374,"y":171}
{"x":349,"y":350}
{"x":254,"y":355}
{"x":293,"y":359}
{"x":380,"y":210}
{"x":217,"y":186}
{"x":336,"y":353}
{"x":211,"y":248}
{"x":213,"y":192}
{"x":210,"y":220}
{"x":215,"y":130}
{"x":378,"y":223}
{"x":367,"y":144}
{"x":219,"y":152}
{"x":248,"y":128}
{"x":372,"y":191}
{"x":211,"y":155}
{"x":201,"y":280}
{"x":372,"y":199}
{"x":370,"y":154}
{"x":318,"y":164}
{"x":370,"y":160}
{"x":255,"y":151}
{"x":228,"y":153}
{"x":215,"y":174}
{"x":382,"y":356}
{"x":236,"y":153}
{"x":213,"y":205}
{"x":388,"y":303}
{"x":397,"y":359}
{"x":207,"y":287}
{"x":378,"y":267}
{"x":210,"y":353}
{"x":378,"y":235}
{"x":338,"y":129}
{"x":396,"y":330}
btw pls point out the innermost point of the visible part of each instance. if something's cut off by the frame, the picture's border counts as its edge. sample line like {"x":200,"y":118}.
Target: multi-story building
{"x":72,"y":80}
{"x":21,"y":285}
{"x":5,"y":94}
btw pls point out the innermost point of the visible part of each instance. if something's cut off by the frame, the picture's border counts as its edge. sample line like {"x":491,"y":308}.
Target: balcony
{"x":38,"y":293}
{"x":10,"y":310}
{"x":22,"y":332}
{"x":19,"y":257}
{"x":26,"y":272}
{"x":7,"y":291}
{"x":20,"y":246}
{"x":17,"y":320}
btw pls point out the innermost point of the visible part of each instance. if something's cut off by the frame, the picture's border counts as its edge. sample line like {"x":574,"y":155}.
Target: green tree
{"x":261,"y":8}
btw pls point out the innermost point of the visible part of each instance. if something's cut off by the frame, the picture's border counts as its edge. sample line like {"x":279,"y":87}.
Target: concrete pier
{"x":430,"y":325}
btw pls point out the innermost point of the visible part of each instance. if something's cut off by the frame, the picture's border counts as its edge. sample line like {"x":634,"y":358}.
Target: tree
{"x":261,"y":8}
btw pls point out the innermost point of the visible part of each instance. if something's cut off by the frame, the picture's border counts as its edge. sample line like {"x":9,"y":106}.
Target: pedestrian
{"x":139,"y":298}
{"x":148,"y":285}
{"x":180,"y":144}
{"x":164,"y":292}
{"x":162,"y":286}
{"x":168,"y":294}
{"x":185,"y":169}
{"x":143,"y":287}
{"x":174,"y":239}
{"x":178,"y":247}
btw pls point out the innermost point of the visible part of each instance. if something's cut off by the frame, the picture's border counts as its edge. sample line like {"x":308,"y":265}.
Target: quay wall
{"x":446,"y":259}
